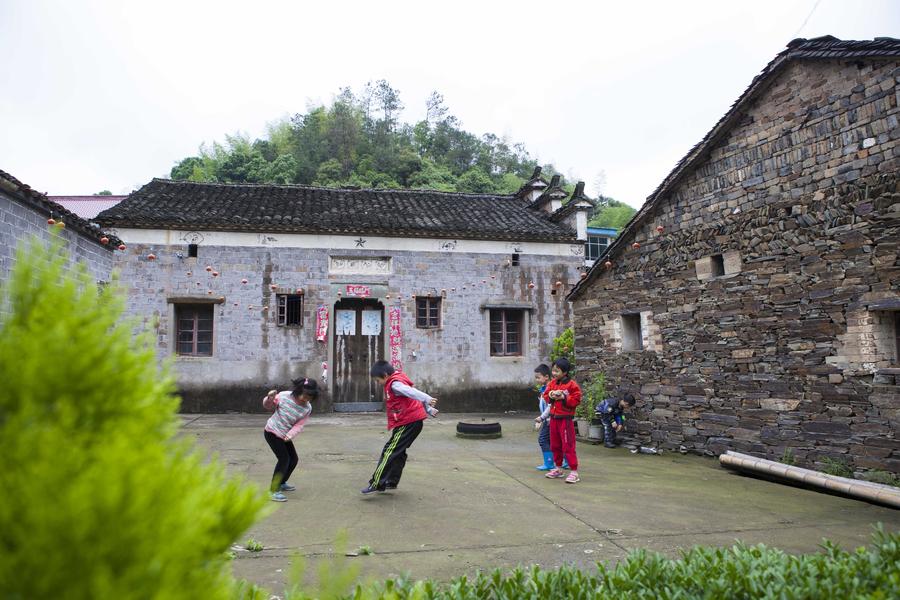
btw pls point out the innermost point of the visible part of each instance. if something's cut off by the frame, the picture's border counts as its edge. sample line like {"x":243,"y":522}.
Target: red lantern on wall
{"x":104,"y":240}
{"x":215,"y":273}
{"x":244,"y":281}
{"x":121,"y":246}
{"x":531,"y":285}
{"x":660,"y":229}
{"x":151,"y":256}
{"x":51,"y":221}
{"x":608,"y":265}
{"x":636,"y":246}
{"x":208,"y":268}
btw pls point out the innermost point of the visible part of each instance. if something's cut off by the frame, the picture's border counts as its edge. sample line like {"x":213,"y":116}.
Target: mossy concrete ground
{"x":468,"y":504}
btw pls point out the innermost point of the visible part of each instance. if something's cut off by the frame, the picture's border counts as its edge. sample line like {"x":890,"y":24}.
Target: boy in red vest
{"x":563,"y":395}
{"x":405,"y":407}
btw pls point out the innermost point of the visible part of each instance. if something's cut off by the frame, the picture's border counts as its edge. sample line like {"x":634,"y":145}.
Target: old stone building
{"x":26,"y":213}
{"x":247,"y":286}
{"x":754,"y":300}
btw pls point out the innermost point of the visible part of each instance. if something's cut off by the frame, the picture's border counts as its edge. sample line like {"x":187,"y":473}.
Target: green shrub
{"x":737,"y":572}
{"x":99,"y":499}
{"x":564,"y":347}
{"x":883,"y":477}
{"x":253,"y":546}
{"x":833,"y":466}
{"x":593,"y":393}
{"x":787,"y":457}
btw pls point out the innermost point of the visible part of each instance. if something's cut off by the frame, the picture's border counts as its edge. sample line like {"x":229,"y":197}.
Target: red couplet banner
{"x":396,"y":338}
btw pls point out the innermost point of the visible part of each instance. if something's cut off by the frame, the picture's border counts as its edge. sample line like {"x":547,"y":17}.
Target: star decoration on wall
{"x":361,"y":243}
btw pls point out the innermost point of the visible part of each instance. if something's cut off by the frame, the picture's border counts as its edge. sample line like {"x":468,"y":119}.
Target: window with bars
{"x":194,"y":329}
{"x":506,"y":331}
{"x":290,"y":310}
{"x":428,"y":313}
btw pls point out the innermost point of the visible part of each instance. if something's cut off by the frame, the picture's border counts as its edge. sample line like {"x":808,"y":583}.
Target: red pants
{"x":562,"y":442}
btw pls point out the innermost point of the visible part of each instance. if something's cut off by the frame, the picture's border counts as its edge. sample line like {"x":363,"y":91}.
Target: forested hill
{"x":359,"y":141}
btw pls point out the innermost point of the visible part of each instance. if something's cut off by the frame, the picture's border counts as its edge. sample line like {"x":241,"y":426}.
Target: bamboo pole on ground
{"x":864,"y":490}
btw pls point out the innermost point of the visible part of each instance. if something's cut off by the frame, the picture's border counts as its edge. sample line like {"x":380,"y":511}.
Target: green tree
{"x":104,"y":193}
{"x":100,"y":498}
{"x":614,"y":215}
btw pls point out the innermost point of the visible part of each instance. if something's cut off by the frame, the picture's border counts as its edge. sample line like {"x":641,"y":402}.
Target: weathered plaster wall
{"x":252,"y":354}
{"x":781,"y":352}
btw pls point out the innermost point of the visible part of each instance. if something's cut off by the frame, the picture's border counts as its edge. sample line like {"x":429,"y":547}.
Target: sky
{"x":104,"y":94}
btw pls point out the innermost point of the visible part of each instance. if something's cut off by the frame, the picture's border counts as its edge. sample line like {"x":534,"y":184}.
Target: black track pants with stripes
{"x":393,"y":456}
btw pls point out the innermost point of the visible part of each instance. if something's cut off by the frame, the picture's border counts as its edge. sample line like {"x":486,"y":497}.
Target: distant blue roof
{"x":611,"y":232}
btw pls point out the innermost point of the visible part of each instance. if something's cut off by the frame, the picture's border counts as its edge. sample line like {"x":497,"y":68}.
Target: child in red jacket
{"x":406,"y":409}
{"x":563,"y":395}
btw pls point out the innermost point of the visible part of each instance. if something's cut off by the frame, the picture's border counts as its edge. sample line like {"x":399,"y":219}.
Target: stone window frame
{"x":433,"y":309}
{"x":632,"y":332}
{"x":872,"y":338}
{"x":728,"y":262}
{"x":650,"y":336}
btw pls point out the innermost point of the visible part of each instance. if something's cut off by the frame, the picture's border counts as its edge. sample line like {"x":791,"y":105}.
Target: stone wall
{"x":253,"y":354}
{"x":787,"y":350}
{"x":20,"y":223}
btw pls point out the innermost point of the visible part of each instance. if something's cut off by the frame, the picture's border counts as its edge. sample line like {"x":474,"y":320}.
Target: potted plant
{"x":593,"y":394}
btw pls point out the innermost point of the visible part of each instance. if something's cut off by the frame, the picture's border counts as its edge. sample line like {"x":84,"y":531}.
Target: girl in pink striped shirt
{"x":291,"y":412}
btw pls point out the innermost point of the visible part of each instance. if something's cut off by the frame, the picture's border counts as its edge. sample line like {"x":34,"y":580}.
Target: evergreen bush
{"x":99,"y":498}
{"x":564,"y":347}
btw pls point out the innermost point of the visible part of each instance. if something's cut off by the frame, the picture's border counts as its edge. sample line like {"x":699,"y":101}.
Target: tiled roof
{"x":87,"y":207}
{"x":821,"y":48}
{"x":42,"y":204}
{"x":165,"y":204}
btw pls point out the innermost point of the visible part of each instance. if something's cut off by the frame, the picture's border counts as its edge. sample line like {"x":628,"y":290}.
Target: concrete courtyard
{"x":469,"y":504}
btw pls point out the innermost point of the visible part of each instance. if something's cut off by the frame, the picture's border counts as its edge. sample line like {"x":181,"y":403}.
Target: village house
{"x":27,"y":213}
{"x":247,"y":286}
{"x":754,"y":300}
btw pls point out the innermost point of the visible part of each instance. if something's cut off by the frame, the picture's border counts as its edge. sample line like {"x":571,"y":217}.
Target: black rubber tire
{"x":484,"y":429}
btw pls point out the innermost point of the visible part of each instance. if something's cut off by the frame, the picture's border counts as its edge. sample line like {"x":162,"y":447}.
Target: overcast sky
{"x":109,"y":94}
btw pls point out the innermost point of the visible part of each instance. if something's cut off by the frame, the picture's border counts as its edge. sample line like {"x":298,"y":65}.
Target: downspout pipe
{"x":863,"y":490}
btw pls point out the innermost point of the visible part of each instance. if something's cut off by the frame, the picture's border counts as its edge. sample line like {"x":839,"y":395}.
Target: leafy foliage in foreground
{"x":99,"y":500}
{"x":746,"y":572}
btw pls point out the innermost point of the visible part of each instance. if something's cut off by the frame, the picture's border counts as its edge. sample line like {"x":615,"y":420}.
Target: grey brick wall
{"x":19,"y":224}
{"x":252,"y":354}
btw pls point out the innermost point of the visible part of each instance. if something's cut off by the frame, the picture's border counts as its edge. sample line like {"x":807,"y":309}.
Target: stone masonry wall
{"x":252,"y":354}
{"x":19,"y":223}
{"x":786,"y":351}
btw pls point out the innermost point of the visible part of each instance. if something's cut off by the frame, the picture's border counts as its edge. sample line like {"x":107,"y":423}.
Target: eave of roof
{"x":41,"y":203}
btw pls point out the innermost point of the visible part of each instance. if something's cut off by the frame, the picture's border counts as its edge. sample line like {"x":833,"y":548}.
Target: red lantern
{"x":265,"y":308}
{"x":299,"y":290}
{"x":151,"y":256}
{"x":189,"y":274}
{"x":104,"y":240}
{"x":484,"y":281}
{"x":493,"y":277}
{"x":250,"y":307}
{"x":121,"y":246}
{"x":636,"y":246}
{"x":60,"y":224}
{"x":559,"y":284}
{"x":608,"y":265}
{"x":583,"y":275}
{"x":531,"y":286}
{"x":660,"y":229}
{"x":452,"y":289}
{"x":244,"y":281}
{"x":51,"y":221}
{"x":339,"y":294}
{"x":209,"y":292}
{"x":198,"y":284}
{"x":215,"y":273}
{"x":273,"y":287}
{"x":387,"y":296}
{"x":208,"y":268}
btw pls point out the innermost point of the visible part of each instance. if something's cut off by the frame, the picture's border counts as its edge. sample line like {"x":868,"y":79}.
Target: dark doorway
{"x":358,"y":343}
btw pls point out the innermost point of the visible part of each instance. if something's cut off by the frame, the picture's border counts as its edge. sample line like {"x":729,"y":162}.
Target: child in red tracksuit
{"x":563,"y":395}
{"x":406,"y":409}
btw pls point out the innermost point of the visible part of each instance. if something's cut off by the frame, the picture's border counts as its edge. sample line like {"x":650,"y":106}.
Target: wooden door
{"x":358,"y":343}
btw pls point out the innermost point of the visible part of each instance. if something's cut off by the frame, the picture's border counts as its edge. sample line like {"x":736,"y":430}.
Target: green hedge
{"x":740,"y":572}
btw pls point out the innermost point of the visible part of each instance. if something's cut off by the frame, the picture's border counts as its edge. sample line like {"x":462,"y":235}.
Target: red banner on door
{"x":359,"y":291}
{"x":395,"y":338}
{"x":321,"y":323}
